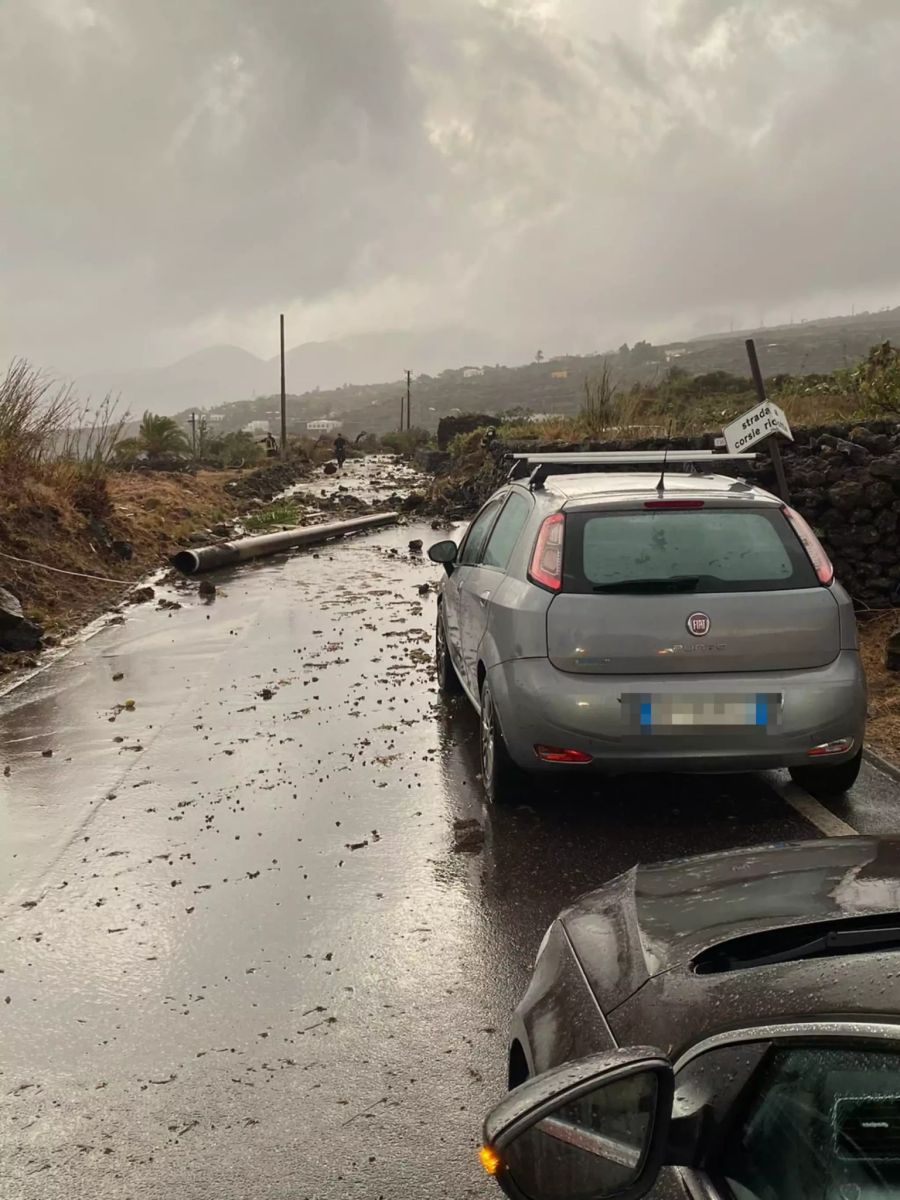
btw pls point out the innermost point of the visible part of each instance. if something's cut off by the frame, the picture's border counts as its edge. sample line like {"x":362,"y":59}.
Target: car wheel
{"x":828,"y":781}
{"x":500,"y":777}
{"x":447,"y":679}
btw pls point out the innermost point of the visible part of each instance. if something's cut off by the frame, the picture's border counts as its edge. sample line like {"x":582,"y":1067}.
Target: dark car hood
{"x":655,"y":918}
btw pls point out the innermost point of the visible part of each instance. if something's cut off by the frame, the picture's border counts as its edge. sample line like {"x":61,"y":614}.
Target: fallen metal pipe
{"x":208,"y":558}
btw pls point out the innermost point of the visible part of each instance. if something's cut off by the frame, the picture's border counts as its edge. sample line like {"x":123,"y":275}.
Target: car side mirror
{"x":444,"y":552}
{"x":588,"y":1130}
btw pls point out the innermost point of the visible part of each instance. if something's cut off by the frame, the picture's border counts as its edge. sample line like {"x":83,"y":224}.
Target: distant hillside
{"x":332,"y":378}
{"x":810,"y":348}
{"x":225,"y":374}
{"x":205,"y":379}
{"x":557,"y":385}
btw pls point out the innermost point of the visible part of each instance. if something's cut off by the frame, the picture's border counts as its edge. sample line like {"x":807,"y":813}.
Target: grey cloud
{"x":205,"y":155}
{"x":534,"y":170}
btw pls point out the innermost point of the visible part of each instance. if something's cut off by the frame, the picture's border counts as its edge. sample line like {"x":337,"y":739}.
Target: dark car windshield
{"x":698,"y":550}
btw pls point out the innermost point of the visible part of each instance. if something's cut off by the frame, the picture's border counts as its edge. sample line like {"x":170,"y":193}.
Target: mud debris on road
{"x":273,"y":934}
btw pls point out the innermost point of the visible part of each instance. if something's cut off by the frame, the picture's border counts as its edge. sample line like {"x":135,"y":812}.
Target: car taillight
{"x":546,"y":562}
{"x":558,"y":754}
{"x":841,"y":746}
{"x":815,"y":551}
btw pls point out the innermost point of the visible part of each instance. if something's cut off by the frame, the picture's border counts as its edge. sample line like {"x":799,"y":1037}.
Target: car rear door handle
{"x":484,"y":597}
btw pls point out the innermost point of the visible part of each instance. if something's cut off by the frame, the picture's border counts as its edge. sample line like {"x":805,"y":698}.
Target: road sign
{"x":760,"y":422}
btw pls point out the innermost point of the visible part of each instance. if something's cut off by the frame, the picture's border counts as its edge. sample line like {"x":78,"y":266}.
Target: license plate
{"x":755,"y":710}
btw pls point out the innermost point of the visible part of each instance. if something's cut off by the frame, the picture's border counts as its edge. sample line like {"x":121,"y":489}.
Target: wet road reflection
{"x":241,"y":952}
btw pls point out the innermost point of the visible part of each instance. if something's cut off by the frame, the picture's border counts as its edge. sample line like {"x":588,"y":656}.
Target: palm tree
{"x":161,"y":435}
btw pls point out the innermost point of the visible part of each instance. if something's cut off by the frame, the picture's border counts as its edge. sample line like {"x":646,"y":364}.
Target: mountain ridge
{"x":223,"y":374}
{"x":364,"y":371}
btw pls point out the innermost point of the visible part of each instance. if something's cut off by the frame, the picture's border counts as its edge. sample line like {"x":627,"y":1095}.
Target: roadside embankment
{"x":60,"y":530}
{"x":883,"y":725}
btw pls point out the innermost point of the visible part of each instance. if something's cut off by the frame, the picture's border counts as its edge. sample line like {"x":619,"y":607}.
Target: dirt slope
{"x":120,"y":528}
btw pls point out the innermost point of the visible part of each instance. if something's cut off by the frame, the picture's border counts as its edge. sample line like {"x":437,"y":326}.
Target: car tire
{"x":447,"y":679}
{"x":828,"y":781}
{"x":501,"y":779}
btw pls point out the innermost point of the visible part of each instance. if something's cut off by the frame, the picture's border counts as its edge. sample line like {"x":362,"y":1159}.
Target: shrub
{"x":48,"y":433}
{"x":464,"y":444}
{"x":877,"y":381}
{"x":90,"y":494}
{"x":597,"y":409}
{"x":406,"y":442}
{"x":233,"y":450}
{"x":35,"y":414}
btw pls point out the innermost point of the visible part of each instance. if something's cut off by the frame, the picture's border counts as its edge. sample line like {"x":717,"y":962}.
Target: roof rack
{"x":565,"y":462}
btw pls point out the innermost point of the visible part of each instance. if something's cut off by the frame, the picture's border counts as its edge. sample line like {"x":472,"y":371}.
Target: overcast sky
{"x":570,"y":173}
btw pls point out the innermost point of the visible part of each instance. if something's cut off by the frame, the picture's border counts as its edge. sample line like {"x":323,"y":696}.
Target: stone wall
{"x":847,"y":485}
{"x":844,"y":479}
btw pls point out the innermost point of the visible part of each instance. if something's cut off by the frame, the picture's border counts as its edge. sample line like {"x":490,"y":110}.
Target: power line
{"x":59,"y":570}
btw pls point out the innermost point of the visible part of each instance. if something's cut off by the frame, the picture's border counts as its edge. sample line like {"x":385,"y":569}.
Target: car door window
{"x":817,"y":1122}
{"x":477,"y":535}
{"x":505,"y":533}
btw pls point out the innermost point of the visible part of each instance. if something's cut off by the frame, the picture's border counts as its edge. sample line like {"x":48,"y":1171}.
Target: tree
{"x":539,"y":357}
{"x":642,"y":352}
{"x":161,"y":435}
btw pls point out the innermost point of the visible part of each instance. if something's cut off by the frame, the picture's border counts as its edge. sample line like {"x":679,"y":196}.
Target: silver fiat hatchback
{"x":627,"y":620}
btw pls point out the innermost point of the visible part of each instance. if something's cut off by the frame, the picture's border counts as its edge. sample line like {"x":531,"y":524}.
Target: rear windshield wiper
{"x":672,"y":583}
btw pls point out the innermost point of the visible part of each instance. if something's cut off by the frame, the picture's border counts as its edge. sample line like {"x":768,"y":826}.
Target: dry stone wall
{"x":844,"y":479}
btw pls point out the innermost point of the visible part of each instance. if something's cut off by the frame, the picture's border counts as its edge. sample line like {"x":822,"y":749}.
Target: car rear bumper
{"x":540,"y":705}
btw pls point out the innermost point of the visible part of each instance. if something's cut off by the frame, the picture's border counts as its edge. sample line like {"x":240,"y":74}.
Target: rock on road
{"x":244,"y":950}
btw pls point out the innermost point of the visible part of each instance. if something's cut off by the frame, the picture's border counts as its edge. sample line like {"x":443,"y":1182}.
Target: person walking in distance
{"x":340,"y":450}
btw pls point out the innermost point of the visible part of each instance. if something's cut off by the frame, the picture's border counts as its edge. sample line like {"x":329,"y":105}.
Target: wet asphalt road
{"x":240,"y":955}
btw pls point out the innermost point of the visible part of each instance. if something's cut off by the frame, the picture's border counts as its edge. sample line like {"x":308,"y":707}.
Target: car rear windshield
{"x":691,"y":550}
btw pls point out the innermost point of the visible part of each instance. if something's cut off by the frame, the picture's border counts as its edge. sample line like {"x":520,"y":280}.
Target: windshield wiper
{"x":835,"y":941}
{"x":672,"y":583}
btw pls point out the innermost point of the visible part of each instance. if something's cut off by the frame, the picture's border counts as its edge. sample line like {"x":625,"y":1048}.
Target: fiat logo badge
{"x":698,"y":624}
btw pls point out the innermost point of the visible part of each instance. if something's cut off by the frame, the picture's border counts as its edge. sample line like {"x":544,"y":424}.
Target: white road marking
{"x":815,"y":812}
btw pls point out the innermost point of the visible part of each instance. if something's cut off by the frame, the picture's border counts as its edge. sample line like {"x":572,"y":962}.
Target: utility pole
{"x":283,"y":398}
{"x":408,"y":382}
{"x":194,"y":433}
{"x":402,"y":403}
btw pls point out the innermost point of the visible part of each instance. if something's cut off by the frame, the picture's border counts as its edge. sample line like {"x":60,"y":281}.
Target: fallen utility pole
{"x":771,"y":443}
{"x":208,"y":558}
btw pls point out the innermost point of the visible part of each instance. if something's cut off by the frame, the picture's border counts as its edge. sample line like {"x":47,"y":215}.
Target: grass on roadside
{"x":54,"y":442}
{"x":685,"y":405}
{"x":883,"y":726}
{"x":283,"y":512}
{"x":627,"y":417}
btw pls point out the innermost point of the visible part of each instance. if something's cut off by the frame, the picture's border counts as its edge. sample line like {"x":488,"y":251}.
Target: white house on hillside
{"x":469,"y":372}
{"x":256,"y":427}
{"x":323,"y":426}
